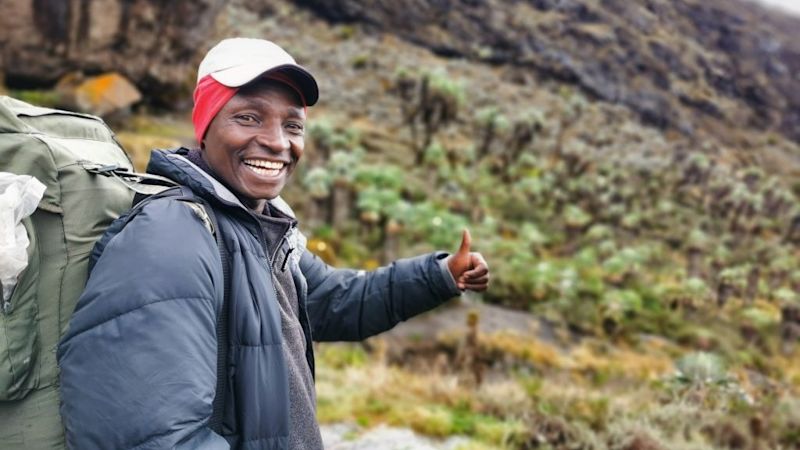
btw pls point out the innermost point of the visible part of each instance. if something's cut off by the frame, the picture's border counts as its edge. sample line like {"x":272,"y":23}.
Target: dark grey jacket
{"x":138,"y":362}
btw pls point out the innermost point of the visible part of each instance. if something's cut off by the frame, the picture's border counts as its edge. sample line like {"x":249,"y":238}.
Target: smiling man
{"x":263,"y":115}
{"x":144,"y":363}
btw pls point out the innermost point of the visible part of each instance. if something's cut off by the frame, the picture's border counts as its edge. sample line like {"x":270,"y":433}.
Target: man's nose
{"x":272,"y":137}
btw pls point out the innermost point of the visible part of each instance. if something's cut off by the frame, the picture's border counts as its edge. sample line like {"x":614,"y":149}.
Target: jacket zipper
{"x":263,"y":242}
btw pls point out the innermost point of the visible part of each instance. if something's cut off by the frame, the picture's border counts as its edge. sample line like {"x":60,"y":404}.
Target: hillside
{"x":684,"y":65}
{"x":695,"y":70}
{"x":628,"y":169}
{"x":658,"y":258}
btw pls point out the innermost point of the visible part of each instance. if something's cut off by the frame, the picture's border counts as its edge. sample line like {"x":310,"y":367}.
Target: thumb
{"x":466,"y":242}
{"x":459,"y":262}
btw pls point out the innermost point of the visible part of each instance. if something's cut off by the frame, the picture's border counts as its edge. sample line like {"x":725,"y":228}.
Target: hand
{"x":469,"y":269}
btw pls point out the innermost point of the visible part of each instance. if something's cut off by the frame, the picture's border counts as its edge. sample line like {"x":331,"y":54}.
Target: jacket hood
{"x":175,"y":165}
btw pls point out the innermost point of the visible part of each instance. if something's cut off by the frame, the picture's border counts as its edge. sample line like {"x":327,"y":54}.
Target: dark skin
{"x":255,"y":141}
{"x":254,"y":144}
{"x":469,"y":269}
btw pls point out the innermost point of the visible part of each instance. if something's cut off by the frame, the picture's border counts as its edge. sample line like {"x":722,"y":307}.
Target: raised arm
{"x":138,"y":362}
{"x":350,"y":305}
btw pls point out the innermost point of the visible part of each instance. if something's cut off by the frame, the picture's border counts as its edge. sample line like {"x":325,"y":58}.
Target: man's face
{"x":254,"y":143}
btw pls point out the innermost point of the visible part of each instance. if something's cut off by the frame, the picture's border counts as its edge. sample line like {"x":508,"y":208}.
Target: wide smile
{"x":265,"y":168}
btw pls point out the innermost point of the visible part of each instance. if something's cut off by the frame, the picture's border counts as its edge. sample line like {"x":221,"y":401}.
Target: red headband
{"x":210,"y":96}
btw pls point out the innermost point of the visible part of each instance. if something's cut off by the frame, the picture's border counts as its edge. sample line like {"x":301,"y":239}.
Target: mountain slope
{"x":678,"y":64}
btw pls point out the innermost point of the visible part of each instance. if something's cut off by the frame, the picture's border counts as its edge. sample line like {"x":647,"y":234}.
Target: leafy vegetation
{"x":614,"y":245}
{"x":634,"y":241}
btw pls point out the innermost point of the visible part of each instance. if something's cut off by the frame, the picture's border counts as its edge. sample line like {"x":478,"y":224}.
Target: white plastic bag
{"x":19,"y":196}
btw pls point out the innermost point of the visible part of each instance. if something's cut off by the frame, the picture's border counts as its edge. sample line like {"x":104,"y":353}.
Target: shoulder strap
{"x":218,"y":406}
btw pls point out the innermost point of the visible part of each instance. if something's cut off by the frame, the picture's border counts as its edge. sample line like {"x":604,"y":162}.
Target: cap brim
{"x":240,"y":75}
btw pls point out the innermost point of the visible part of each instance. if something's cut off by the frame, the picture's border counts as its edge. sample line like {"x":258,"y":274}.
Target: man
{"x":139,"y":361}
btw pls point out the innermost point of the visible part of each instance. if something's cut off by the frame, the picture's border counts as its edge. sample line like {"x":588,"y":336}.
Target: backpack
{"x":89,"y":182}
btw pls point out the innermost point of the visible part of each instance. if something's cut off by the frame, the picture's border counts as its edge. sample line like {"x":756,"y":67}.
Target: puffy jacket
{"x":138,"y":362}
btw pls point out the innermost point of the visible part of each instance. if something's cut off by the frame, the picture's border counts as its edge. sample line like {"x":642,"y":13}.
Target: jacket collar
{"x":174,"y":165}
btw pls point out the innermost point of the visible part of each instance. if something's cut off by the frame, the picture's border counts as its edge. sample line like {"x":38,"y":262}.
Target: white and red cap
{"x":235,"y":62}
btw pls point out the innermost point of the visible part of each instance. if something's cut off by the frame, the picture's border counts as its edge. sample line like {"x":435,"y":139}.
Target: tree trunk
{"x":340,"y":205}
{"x":724,"y":291}
{"x":751,"y":291}
{"x":694,"y":263}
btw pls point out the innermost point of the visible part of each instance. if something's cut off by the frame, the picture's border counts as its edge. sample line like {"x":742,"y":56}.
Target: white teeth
{"x":264,"y":163}
{"x":265,"y":172}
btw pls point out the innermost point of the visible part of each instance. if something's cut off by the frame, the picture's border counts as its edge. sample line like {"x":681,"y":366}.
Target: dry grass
{"x":564,"y":405}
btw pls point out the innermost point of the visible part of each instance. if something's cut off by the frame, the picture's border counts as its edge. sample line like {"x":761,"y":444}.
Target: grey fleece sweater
{"x":303,"y":427}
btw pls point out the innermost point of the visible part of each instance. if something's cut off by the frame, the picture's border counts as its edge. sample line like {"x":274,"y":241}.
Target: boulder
{"x":99,"y":95}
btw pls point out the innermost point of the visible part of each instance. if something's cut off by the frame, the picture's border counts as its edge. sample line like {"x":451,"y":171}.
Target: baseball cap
{"x":235,"y":62}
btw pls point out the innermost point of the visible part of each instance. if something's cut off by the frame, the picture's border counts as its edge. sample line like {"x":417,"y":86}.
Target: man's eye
{"x":295,"y":127}
{"x":246,"y":118}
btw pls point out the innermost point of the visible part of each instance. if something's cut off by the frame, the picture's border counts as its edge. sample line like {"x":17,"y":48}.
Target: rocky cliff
{"x":154,"y":43}
{"x":679,"y":64}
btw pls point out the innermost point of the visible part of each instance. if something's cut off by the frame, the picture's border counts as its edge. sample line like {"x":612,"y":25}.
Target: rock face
{"x":153,"y":43}
{"x":672,"y":62}
{"x":679,"y":64}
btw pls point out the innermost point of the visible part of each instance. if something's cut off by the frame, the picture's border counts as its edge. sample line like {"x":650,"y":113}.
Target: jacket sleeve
{"x":350,"y":305}
{"x":138,"y":361}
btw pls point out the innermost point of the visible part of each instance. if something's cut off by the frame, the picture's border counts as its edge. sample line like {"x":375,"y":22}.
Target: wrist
{"x":447,"y":274}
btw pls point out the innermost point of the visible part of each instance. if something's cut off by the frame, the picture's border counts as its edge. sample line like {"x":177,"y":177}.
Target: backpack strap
{"x":143,"y":185}
{"x":218,"y":405}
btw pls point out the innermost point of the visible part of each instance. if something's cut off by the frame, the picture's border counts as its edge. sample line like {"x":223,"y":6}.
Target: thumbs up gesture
{"x":469,"y":269}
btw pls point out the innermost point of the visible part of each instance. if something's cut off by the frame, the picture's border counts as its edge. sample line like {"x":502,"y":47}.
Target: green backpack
{"x":89,"y":182}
